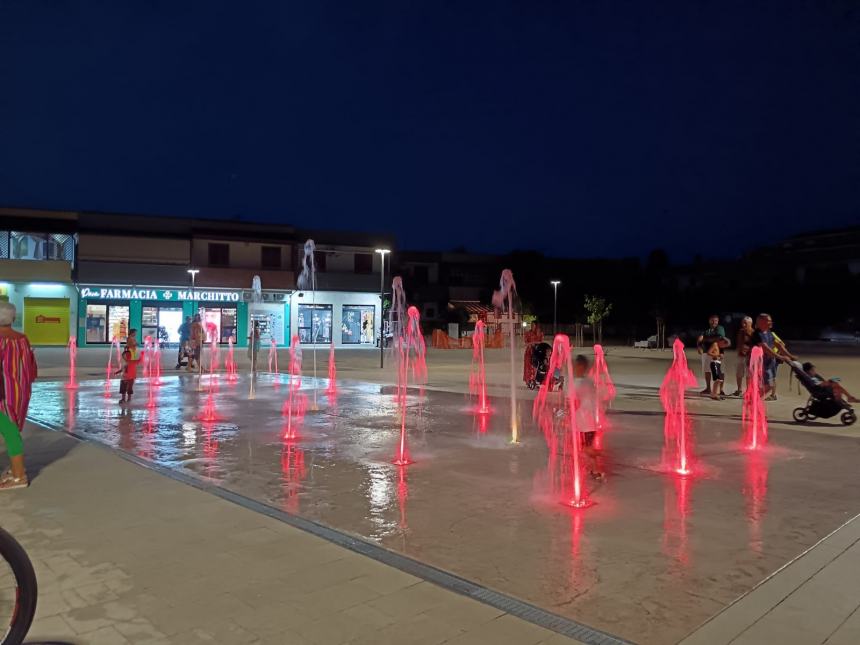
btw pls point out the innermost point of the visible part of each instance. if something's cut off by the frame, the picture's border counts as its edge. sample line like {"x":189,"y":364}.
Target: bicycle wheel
{"x":18,"y":591}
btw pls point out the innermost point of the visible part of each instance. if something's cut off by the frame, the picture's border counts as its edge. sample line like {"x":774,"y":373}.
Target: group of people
{"x":712,"y":345}
{"x":191,"y":339}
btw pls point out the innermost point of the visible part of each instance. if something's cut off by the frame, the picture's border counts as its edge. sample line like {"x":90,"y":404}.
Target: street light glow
{"x":555,"y":283}
{"x":382,"y":252}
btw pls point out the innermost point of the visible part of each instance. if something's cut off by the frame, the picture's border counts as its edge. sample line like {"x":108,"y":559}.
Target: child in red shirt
{"x":131,"y":357}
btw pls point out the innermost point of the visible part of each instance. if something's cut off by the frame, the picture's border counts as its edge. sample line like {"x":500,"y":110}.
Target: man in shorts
{"x":715,"y":333}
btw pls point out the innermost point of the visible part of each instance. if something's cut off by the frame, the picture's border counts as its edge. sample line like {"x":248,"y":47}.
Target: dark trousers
{"x":126,"y":387}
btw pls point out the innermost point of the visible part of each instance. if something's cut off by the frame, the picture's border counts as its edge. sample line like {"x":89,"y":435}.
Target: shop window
{"x":117,"y":322}
{"x":224,"y":319}
{"x":315,"y":324}
{"x":363,"y":263}
{"x":357,"y":325}
{"x":219,"y":254}
{"x":270,"y":257}
{"x":104,"y":322}
{"x":149,"y":322}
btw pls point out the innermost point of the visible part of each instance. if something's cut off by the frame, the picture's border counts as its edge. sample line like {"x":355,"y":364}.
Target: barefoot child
{"x":716,"y":368}
{"x":586,"y":424}
{"x":129,"y":373}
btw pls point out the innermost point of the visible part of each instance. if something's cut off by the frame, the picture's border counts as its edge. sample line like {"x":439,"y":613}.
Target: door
{"x":46,"y":320}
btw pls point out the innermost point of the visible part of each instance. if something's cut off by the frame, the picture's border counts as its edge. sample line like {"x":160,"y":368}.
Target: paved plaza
{"x":202,"y":545}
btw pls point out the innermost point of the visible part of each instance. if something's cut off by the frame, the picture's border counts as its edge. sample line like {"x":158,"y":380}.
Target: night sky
{"x":580,"y":128}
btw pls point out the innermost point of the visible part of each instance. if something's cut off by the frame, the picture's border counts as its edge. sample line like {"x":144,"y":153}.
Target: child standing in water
{"x":129,"y":373}
{"x":586,"y":423}
{"x":716,"y":368}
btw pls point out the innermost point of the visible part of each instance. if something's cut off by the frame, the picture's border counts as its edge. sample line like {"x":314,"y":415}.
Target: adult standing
{"x":763,"y":337}
{"x":197,"y":336}
{"x":742,"y":369}
{"x":17,"y":373}
{"x":715,"y":333}
{"x":782,"y":350}
{"x":184,"y":335}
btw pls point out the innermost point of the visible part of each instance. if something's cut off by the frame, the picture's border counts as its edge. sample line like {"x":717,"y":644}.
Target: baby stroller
{"x":536,"y":364}
{"x":822,"y":404}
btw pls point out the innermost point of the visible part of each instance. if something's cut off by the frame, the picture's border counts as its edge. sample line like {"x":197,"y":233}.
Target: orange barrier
{"x":441,"y":340}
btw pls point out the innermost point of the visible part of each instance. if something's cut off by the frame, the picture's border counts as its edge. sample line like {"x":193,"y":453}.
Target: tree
{"x":597,"y":309}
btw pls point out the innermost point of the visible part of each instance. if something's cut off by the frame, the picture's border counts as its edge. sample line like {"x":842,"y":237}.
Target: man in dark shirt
{"x":715,"y":333}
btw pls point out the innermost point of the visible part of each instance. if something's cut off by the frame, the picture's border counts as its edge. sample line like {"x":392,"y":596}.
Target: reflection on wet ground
{"x":653,"y":558}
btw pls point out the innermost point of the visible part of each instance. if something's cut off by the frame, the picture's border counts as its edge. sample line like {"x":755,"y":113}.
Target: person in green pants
{"x":17,"y":373}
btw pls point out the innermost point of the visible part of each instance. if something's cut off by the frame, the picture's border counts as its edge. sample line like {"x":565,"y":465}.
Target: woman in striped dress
{"x":17,"y":373}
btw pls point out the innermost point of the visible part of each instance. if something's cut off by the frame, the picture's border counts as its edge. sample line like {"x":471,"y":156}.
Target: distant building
{"x":38,"y":258}
{"x":124,"y":271}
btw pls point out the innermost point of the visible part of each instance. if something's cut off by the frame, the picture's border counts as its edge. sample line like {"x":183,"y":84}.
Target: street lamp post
{"x":194,"y":273}
{"x":382,"y":253}
{"x":555,"y":284}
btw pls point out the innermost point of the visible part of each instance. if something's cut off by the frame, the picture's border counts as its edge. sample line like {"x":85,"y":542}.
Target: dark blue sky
{"x":573,"y":127}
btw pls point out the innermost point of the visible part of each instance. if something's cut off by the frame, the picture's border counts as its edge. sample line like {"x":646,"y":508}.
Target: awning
{"x":472,"y":307}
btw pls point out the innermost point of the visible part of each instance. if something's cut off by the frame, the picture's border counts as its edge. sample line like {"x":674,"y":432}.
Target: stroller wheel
{"x":800,"y":415}
{"x":848,"y":417}
{"x":531,"y":385}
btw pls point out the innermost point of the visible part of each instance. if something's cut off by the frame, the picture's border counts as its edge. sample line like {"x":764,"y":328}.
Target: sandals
{"x":10,"y":482}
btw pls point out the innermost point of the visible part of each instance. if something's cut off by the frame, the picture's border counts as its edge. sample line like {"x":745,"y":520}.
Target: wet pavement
{"x":654,"y":557}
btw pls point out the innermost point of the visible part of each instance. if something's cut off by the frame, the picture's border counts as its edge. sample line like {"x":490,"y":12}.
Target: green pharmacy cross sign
{"x":94,"y":292}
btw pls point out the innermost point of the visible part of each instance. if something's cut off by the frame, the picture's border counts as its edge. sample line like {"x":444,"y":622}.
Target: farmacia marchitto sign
{"x":141,"y":293}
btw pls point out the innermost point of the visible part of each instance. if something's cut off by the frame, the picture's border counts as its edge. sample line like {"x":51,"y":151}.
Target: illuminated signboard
{"x":146,"y":293}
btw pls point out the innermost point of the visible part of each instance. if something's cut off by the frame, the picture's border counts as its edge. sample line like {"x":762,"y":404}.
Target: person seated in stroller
{"x":827,"y":398}
{"x":537,"y":364}
{"x":833,"y":386}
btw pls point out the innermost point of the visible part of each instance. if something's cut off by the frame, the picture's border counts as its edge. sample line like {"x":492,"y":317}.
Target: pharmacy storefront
{"x":109,"y":311}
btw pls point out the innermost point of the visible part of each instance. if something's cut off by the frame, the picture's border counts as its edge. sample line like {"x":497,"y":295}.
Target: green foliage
{"x":597,"y":309}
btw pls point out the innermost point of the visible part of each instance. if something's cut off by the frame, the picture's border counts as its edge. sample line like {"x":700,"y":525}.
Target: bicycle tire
{"x":26,"y":590}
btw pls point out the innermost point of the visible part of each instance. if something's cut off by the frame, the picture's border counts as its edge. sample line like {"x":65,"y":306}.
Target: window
{"x":357,"y":325}
{"x":315,"y":324}
{"x":270,"y":257}
{"x":219,"y":255}
{"x":104,"y":322}
{"x":224,"y":319}
{"x":319,"y":260}
{"x":96,"y":323}
{"x":363,"y":263}
{"x":149,"y":322}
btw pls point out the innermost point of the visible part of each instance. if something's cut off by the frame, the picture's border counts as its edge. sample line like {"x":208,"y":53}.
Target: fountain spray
{"x":478,"y":377}
{"x":308,"y":280}
{"x":413,"y":354}
{"x":505,"y":295}
{"x":677,"y":435}
{"x":73,"y":361}
{"x":754,"y":409}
